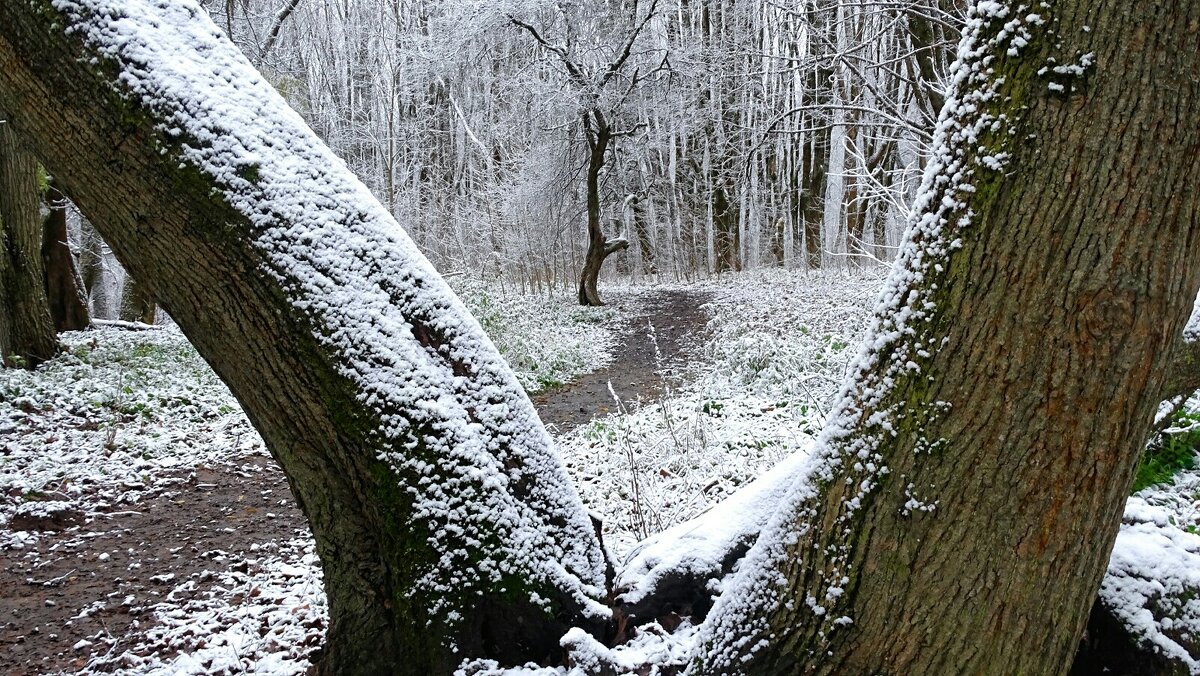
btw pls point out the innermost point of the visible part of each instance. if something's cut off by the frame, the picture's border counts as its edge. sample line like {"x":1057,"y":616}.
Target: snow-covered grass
{"x":119,"y":415}
{"x":777,"y":348}
{"x":1153,"y":581}
{"x":548,"y":341}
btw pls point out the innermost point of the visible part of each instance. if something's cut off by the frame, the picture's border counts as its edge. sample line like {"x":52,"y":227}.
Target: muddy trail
{"x":81,"y":596}
{"x":664,"y":334}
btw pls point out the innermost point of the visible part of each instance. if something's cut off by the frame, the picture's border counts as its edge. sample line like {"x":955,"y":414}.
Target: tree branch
{"x":627,"y":48}
{"x":573,"y":69}
{"x":280,"y":17}
{"x":614,"y":245}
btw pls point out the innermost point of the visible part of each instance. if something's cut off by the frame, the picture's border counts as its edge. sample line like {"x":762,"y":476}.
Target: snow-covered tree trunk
{"x":446,"y":525}
{"x":959,"y":511}
{"x":26,"y":330}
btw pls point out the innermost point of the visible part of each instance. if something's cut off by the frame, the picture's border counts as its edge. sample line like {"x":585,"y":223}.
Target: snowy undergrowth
{"x":777,"y":348}
{"x":548,"y":341}
{"x":1152,"y":585}
{"x":119,"y":415}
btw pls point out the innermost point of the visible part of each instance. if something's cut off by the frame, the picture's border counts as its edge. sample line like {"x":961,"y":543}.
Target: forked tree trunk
{"x":446,"y":525}
{"x":64,"y":287}
{"x":26,"y":332}
{"x":961,"y":507}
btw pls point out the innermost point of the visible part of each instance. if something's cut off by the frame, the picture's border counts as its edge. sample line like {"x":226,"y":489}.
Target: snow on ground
{"x":125,"y":414}
{"x":777,"y":350}
{"x":547,"y":342}
{"x":1153,"y":581}
{"x":122,"y":414}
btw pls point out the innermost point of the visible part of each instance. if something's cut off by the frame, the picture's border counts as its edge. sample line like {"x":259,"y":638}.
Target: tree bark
{"x":26,"y":332}
{"x":136,"y":304}
{"x":64,"y":287}
{"x":446,"y":525}
{"x":963,"y":502}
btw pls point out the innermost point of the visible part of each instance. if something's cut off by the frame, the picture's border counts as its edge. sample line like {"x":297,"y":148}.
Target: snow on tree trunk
{"x":959,"y":510}
{"x":446,"y":525}
{"x":26,"y":330}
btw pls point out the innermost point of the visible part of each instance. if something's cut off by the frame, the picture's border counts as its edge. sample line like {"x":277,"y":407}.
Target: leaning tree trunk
{"x":961,"y":507}
{"x":445,"y":522}
{"x":64,"y":287}
{"x":136,"y":303}
{"x":26,"y":332}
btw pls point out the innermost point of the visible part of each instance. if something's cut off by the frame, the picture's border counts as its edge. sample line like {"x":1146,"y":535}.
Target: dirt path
{"x":83,"y":596}
{"x":636,"y":372}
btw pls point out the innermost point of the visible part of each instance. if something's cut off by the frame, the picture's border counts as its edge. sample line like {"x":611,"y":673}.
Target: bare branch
{"x":280,"y":17}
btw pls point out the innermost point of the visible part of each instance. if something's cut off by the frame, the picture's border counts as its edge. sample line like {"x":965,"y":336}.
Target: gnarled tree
{"x":445,"y":523}
{"x":602,"y":89}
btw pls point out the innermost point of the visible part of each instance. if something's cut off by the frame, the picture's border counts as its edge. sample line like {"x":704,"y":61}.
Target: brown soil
{"x":96,"y":579}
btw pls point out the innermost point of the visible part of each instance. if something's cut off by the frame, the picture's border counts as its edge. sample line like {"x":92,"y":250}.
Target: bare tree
{"x":600,"y":109}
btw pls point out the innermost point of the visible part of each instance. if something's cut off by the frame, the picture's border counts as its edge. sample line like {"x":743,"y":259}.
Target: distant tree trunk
{"x":93,"y":272}
{"x":810,"y":205}
{"x":725,"y":231}
{"x":599,"y":247}
{"x":638,"y":221}
{"x":26,"y":331}
{"x":445,"y":522}
{"x":136,"y":303}
{"x":960,"y":509}
{"x":64,"y":287}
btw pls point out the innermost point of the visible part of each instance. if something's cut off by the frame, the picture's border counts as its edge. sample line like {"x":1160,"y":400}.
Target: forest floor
{"x":663,"y":334}
{"x":80,"y":594}
{"x":145,"y":530}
